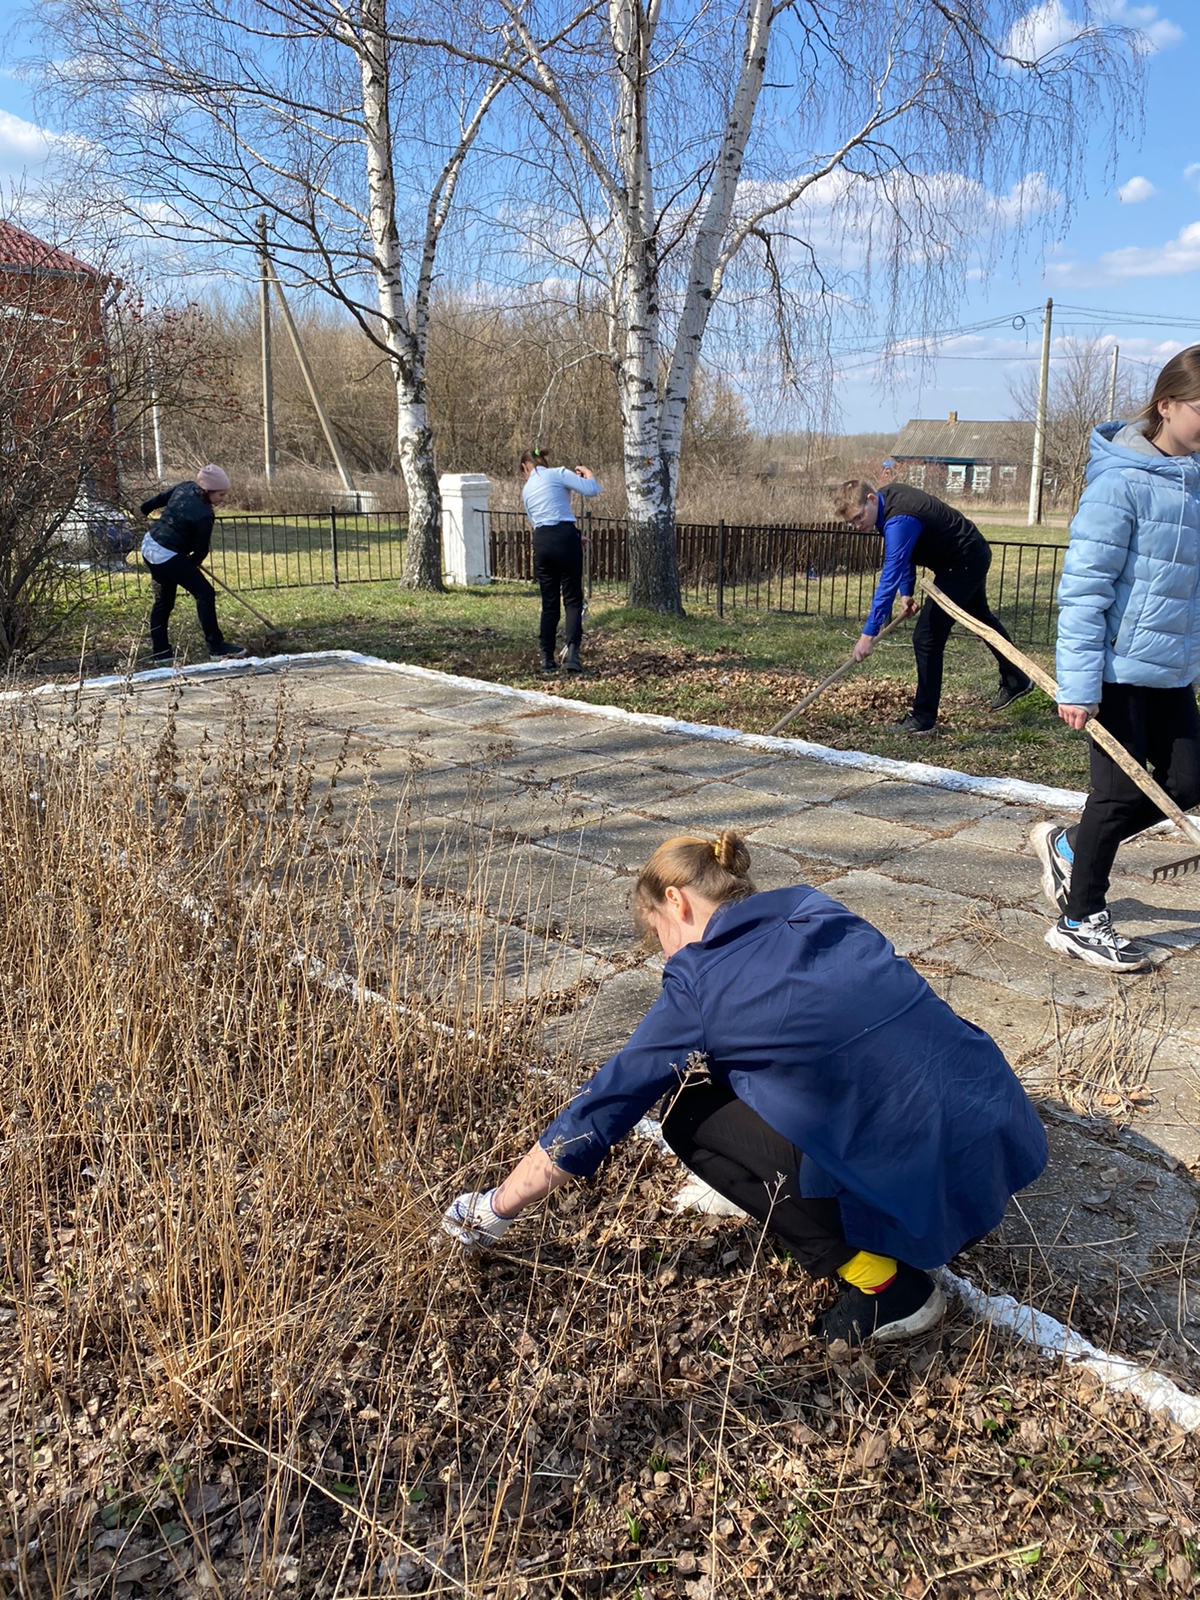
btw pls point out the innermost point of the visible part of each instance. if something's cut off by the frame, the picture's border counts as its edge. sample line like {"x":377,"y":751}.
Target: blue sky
{"x":1127,"y":268}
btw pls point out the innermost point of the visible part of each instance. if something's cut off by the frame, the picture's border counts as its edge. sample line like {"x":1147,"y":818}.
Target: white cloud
{"x":1049,"y":26}
{"x":22,"y":142}
{"x":1191,"y":174}
{"x":1135,"y":190}
{"x":1170,"y":260}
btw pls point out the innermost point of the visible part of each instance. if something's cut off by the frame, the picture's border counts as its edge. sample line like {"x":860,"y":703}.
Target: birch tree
{"x":799,"y":157}
{"x":198,"y":118}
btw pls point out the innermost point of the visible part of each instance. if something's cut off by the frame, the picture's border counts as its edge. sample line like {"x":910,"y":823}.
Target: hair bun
{"x":732,"y":853}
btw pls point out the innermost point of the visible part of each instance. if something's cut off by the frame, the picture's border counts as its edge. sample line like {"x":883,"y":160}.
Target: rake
{"x":834,"y":677}
{"x":1094,"y":730}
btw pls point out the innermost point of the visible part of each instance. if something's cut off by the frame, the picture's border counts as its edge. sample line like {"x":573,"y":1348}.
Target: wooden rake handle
{"x":1094,"y":730}
{"x":834,"y":677}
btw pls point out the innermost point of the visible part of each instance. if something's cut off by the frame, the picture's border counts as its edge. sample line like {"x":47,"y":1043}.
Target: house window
{"x":956,"y":479}
{"x":916,"y":474}
{"x":1008,"y":477}
{"x":981,"y":479}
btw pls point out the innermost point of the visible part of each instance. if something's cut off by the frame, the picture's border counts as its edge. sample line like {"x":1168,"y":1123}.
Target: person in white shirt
{"x":557,"y":551}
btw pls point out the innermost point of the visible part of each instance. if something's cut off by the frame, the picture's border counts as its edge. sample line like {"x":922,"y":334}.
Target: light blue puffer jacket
{"x":1129,"y":599}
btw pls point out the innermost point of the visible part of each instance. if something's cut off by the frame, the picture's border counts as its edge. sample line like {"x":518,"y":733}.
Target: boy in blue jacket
{"x":1129,"y":650}
{"x":813,"y":1078}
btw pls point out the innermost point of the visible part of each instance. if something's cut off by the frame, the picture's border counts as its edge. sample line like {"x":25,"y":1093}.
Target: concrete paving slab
{"x":827,"y":833}
{"x":548,"y":763}
{"x":602,"y":1026}
{"x":814,"y":781}
{"x":913,"y":917}
{"x":629,"y":785}
{"x":1166,"y":913}
{"x":917,"y":803}
{"x":1006,"y":945}
{"x":1181,"y":978}
{"x":623,"y":839}
{"x":618,"y":741}
{"x":1021,"y":1027}
{"x":718,"y":805}
{"x":1172,"y":1117}
{"x":706,"y":758}
{"x":564,"y":727}
{"x":954,"y":864}
{"x":1006,"y":828}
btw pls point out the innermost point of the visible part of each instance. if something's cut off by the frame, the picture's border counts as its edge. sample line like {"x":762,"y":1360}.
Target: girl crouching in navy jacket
{"x":813,"y":1078}
{"x":1129,"y":650}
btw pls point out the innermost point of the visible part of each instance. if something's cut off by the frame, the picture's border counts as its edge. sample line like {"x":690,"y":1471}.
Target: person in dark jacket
{"x":921,"y":530}
{"x":174,"y":551}
{"x":813,"y":1078}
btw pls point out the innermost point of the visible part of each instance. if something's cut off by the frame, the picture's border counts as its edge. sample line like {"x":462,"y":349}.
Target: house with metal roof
{"x":961,"y":459}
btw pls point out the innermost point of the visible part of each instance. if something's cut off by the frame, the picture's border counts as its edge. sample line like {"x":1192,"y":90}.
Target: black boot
{"x":549,"y":666}
{"x":571,"y":659}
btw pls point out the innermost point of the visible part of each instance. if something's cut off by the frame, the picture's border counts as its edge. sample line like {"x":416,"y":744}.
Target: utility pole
{"x":1112,"y":385}
{"x":310,"y":382}
{"x":155,"y":425}
{"x":268,"y":382}
{"x":1039,"y":427}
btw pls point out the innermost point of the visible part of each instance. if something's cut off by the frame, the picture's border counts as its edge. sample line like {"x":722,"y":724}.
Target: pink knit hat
{"x":211,"y":477}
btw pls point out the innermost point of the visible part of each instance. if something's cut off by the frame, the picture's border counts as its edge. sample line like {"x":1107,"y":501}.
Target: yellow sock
{"x":868,"y":1272}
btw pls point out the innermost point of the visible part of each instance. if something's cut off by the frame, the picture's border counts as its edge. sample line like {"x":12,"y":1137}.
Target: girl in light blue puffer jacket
{"x":1129,"y":649}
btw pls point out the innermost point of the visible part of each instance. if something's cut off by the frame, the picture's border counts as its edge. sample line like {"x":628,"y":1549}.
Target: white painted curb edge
{"x":1011,"y":789}
{"x":1048,"y":1336}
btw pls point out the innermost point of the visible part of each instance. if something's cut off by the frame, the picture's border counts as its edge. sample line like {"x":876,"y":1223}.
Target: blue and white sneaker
{"x":1049,"y":841}
{"x":1095,"y":941}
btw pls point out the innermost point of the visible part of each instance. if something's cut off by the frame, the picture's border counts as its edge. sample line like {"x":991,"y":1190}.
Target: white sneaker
{"x":1046,"y":838}
{"x":1096,"y":942}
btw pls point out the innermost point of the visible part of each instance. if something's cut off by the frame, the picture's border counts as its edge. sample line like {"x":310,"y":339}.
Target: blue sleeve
{"x":627,"y":1085}
{"x":1101,"y":532}
{"x":899,"y":574}
{"x":577,"y":485}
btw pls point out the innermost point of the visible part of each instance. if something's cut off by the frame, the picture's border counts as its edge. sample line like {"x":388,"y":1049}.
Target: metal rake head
{"x":1177,"y":869}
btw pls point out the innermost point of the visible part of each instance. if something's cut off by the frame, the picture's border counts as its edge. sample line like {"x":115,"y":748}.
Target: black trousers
{"x":1161,"y":729}
{"x":967,"y":585}
{"x":558,"y":568}
{"x":742,"y":1157}
{"x":181,"y":572}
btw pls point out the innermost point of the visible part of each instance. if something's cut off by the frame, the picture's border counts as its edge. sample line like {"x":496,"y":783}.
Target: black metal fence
{"x":819,"y":569}
{"x":283,"y":550}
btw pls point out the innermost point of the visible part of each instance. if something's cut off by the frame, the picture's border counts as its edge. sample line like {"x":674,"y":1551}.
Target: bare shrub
{"x":252,"y":1040}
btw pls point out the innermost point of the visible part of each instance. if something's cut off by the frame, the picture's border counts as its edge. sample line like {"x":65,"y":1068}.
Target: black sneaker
{"x":1007,"y":693}
{"x":912,"y":723}
{"x":227,"y":652}
{"x":1096,"y":942}
{"x":1046,"y":840}
{"x":571,"y":659}
{"x":911,"y":1304}
{"x":164,"y":658}
{"x":549,"y":666}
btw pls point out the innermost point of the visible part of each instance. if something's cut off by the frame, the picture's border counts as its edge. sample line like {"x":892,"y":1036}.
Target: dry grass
{"x":238,"y":1363}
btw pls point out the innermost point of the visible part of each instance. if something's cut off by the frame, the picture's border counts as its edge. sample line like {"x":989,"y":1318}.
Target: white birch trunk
{"x":704,"y":276}
{"x":414,"y":441}
{"x":653,"y":567}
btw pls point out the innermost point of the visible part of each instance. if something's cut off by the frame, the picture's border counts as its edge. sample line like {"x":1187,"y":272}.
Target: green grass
{"x":741,"y":671}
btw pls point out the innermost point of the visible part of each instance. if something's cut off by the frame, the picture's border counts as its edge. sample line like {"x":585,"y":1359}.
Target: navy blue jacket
{"x":907,"y":1115}
{"x":186,"y":524}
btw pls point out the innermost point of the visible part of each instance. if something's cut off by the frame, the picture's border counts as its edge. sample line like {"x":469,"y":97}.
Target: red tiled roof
{"x":20,"y":249}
